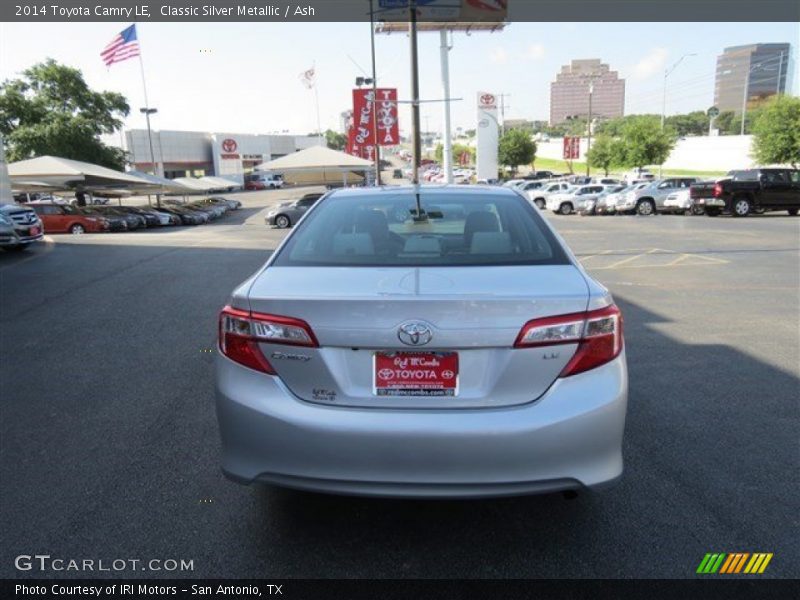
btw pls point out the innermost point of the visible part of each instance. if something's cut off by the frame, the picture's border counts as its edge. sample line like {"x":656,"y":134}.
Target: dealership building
{"x":197,"y":153}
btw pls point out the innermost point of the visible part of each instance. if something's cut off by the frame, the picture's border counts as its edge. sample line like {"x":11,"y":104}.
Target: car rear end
{"x":679,"y":202}
{"x":458,"y":357}
{"x":708,"y":194}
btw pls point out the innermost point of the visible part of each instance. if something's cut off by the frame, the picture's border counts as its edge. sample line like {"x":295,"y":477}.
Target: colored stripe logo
{"x":734,"y":562}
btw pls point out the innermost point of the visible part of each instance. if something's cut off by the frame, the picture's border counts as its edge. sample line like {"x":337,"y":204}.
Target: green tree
{"x":51,"y":110}
{"x":693,"y":123}
{"x":604,"y":153}
{"x":458,"y":150}
{"x":645,"y":143}
{"x":777,"y":132}
{"x":516,"y":148}
{"x":724,"y":122}
{"x":335,"y":140}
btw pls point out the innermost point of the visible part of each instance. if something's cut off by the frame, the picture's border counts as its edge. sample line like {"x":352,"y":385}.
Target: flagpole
{"x":316,"y":100}
{"x":147,"y":112}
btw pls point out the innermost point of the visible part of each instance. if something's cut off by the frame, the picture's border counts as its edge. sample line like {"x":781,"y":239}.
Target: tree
{"x":693,"y":123}
{"x":516,"y":148}
{"x":724,"y":122}
{"x":777,"y":132}
{"x":604,"y":153}
{"x":458,"y":150}
{"x":334,"y":140}
{"x":51,"y":110}
{"x":644,"y":143}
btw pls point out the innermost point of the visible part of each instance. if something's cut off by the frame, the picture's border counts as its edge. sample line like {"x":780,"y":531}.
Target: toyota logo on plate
{"x":415,"y":333}
{"x":229,"y":145}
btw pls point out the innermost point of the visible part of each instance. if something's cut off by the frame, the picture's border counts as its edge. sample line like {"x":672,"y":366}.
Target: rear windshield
{"x":379,"y":230}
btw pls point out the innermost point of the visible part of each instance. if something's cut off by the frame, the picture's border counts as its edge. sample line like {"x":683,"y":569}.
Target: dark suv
{"x":750,"y":190}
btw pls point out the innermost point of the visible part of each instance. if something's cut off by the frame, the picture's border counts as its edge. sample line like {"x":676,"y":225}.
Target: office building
{"x":569,"y":93}
{"x":764,"y":69}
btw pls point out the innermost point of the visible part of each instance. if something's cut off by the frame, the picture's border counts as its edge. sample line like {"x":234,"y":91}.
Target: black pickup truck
{"x":751,"y":190}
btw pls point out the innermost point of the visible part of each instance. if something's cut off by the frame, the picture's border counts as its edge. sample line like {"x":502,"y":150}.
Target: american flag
{"x":122,"y":47}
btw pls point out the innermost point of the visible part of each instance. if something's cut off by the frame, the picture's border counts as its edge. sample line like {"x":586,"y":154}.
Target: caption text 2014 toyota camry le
{"x":422,"y":342}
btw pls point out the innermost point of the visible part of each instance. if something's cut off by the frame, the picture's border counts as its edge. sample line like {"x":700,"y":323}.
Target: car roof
{"x":427,"y":190}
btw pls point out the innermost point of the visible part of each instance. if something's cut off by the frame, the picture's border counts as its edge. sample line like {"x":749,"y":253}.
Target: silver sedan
{"x":460,"y":351}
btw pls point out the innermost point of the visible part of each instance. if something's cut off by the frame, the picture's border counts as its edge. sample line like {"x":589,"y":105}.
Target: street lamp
{"x":589,"y":124}
{"x":667,"y":73}
{"x":147,"y":112}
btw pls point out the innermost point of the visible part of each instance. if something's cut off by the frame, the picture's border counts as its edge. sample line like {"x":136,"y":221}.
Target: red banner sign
{"x":363,"y":137}
{"x":572,"y":148}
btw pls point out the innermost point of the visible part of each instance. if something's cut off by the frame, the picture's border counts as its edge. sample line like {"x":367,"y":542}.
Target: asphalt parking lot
{"x":109,"y":445}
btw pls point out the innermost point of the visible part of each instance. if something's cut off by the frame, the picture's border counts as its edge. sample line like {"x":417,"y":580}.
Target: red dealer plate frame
{"x":425,"y":374}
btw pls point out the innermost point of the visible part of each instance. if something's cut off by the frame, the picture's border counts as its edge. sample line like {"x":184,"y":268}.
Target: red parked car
{"x":58,"y":218}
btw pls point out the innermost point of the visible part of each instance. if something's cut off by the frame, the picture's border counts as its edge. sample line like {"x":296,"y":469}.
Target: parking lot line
{"x":629,"y":259}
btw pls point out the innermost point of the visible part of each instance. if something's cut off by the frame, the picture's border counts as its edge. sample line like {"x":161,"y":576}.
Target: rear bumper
{"x":569,"y":438}
{"x":717,"y":202}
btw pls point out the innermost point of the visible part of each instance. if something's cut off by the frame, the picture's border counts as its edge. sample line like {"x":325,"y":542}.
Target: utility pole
{"x":780,"y":72}
{"x":744,"y":96}
{"x":374,"y":95}
{"x":147,"y":111}
{"x":503,"y":112}
{"x":447,"y":143}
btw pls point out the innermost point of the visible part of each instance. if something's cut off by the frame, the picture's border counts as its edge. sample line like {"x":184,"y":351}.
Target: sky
{"x":245,"y":77}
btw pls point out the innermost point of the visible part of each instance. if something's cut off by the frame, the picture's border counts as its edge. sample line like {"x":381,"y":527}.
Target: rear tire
{"x":646,"y":208}
{"x":565,"y":209}
{"x":540,"y":203}
{"x":712,"y":212}
{"x":77,"y":229}
{"x":741,"y":207}
{"x":282,"y":222}
{"x":698,"y":210}
{"x":793,"y":211}
{"x":17,"y":248}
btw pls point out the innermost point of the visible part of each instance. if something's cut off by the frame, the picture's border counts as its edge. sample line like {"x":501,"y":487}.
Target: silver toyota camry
{"x":423,"y":342}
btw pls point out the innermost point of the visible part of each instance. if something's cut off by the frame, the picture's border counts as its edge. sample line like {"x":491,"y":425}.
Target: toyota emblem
{"x":415,"y":333}
{"x":229,"y":145}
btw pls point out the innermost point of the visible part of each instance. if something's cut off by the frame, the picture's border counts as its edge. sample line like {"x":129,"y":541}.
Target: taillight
{"x":241,"y":331}
{"x":717,"y":190}
{"x":598,"y":334}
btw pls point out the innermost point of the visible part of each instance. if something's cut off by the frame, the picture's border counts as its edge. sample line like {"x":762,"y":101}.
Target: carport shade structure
{"x":66,"y":174}
{"x":318,"y":159}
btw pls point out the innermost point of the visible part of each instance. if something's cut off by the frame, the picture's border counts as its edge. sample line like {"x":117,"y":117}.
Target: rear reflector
{"x":598,"y":334}
{"x":241,"y":331}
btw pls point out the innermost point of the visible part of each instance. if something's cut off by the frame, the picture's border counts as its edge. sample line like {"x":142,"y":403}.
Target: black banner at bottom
{"x":242,"y":589}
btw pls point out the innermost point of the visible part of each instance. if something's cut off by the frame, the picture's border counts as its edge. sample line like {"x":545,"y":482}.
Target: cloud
{"x":499,"y":56}
{"x":535,"y":52}
{"x":651,"y":63}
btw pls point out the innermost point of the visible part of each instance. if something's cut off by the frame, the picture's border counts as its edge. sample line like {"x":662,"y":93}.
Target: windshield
{"x":378,"y":230}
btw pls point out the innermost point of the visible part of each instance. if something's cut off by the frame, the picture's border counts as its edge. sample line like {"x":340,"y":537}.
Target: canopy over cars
{"x":318,"y":159}
{"x":67,"y":174}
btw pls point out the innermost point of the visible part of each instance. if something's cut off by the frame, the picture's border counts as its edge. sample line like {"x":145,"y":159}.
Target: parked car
{"x":649,"y":199}
{"x":231,"y":204}
{"x":150,"y":219}
{"x":134,"y":221}
{"x":539,"y":197}
{"x":288,"y":213}
{"x":171,"y":219}
{"x":431,"y":358}
{"x":598,"y":205}
{"x":608,"y":204}
{"x":681,"y":202}
{"x":19,"y":227}
{"x":744,"y":192}
{"x":187,"y":217}
{"x":538,"y":175}
{"x":263,"y":181}
{"x":606,"y":181}
{"x":115,"y":222}
{"x":60,"y":218}
{"x":575,"y":199}
{"x":639,"y":175}
{"x":529,"y":187}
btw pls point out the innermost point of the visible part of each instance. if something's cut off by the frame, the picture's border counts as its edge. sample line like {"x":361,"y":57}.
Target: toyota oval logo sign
{"x":229,"y":145}
{"x":415,"y":333}
{"x":487,"y":99}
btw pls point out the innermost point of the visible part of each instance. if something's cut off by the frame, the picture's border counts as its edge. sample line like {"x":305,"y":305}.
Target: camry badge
{"x":414,"y":333}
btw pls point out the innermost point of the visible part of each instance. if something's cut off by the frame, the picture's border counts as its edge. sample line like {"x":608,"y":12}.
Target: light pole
{"x":667,"y":73}
{"x":147,"y":112}
{"x":374,"y":95}
{"x":589,"y":126}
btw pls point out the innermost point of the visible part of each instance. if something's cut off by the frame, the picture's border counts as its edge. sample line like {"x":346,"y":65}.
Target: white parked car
{"x":539,"y":197}
{"x":575,"y":199}
{"x":681,"y":202}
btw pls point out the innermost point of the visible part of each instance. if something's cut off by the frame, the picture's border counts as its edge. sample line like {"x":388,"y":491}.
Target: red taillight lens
{"x":241,"y":331}
{"x":597,"y":332}
{"x":717,"y":190}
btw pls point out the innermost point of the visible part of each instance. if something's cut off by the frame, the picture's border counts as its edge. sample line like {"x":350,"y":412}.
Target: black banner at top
{"x":461,"y":12}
